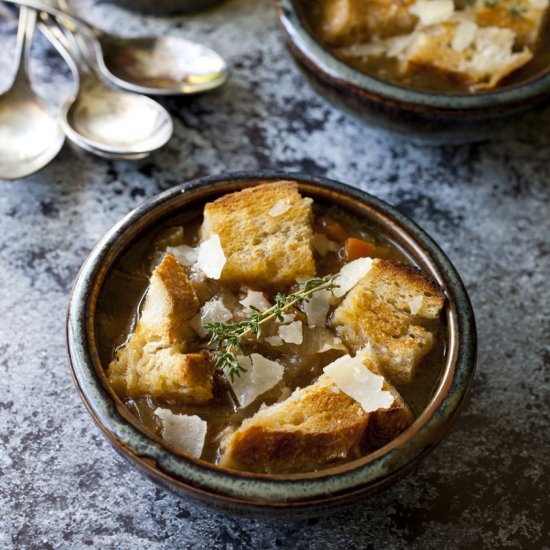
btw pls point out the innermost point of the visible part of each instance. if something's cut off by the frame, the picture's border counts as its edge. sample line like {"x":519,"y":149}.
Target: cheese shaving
{"x":323,"y":244}
{"x":357,"y":381}
{"x":415,"y":304}
{"x":274,"y":340}
{"x":465,"y":33}
{"x":186,"y":255}
{"x":292,"y":333}
{"x":432,"y":12}
{"x":187,"y":433}
{"x":256,"y":299}
{"x":262,"y":374}
{"x":351,"y":274}
{"x":211,"y":259}
{"x":279,"y":208}
{"x":213,"y":311}
{"x":317,"y":308}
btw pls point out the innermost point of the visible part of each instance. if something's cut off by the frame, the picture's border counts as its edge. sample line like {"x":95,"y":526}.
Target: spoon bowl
{"x":112,"y":122}
{"x":167,"y":65}
{"x":30,"y":134}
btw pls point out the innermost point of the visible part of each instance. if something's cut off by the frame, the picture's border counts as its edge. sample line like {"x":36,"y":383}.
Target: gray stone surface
{"x":487,"y":485}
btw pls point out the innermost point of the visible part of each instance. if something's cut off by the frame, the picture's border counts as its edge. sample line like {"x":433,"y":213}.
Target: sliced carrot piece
{"x":332,"y":229}
{"x":358,"y":248}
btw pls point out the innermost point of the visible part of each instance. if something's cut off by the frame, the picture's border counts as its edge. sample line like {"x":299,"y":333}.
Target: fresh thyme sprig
{"x":230,"y":335}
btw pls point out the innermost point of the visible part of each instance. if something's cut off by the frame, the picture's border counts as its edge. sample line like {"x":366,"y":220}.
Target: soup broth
{"x":123,"y":294}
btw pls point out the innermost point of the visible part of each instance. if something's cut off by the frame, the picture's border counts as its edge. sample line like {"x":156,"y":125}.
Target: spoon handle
{"x":25,"y":31}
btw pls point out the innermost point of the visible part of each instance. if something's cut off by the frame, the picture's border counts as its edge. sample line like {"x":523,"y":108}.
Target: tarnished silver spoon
{"x":153,"y":65}
{"x":30,"y":134}
{"x":108,"y":122}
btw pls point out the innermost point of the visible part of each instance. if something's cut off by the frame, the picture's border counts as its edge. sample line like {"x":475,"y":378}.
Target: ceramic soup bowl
{"x":266,"y":495}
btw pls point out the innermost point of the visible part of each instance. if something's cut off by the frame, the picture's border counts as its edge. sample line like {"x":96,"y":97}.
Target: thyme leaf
{"x":229,"y":335}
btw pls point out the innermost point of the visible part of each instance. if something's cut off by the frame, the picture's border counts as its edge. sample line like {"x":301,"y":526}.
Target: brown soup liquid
{"x":119,"y":302}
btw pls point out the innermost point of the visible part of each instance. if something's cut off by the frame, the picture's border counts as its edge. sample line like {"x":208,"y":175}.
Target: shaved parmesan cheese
{"x":186,"y":255}
{"x":187,"y":433}
{"x":274,"y":340}
{"x":256,"y":299}
{"x":351,"y":274}
{"x":292,"y":333}
{"x":432,"y":12}
{"x":336,"y":343}
{"x":323,"y":244}
{"x":261,"y":375}
{"x":464,"y":35}
{"x":213,"y":311}
{"x":211,"y":258}
{"x":357,"y":381}
{"x":279,"y":208}
{"x":317,"y":308}
{"x":415,"y":304}
{"x":287,"y":317}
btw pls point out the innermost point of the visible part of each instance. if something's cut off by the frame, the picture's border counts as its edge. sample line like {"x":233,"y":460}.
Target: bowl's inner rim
{"x":157,"y":211}
{"x":298,"y":30}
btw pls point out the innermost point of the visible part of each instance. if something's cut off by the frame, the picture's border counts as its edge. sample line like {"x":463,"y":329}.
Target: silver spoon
{"x":154,"y":65}
{"x":30,"y":135}
{"x":110,"y":123}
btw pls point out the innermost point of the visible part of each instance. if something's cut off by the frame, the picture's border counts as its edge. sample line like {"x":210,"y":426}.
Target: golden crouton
{"x":481,"y":61}
{"x":153,"y":360}
{"x":387,"y":309}
{"x":265,"y":233}
{"x":316,"y":425}
{"x":346,"y":22}
{"x":525,"y":17}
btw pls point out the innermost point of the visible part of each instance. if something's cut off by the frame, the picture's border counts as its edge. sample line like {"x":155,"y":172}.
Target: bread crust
{"x":377,"y":312}
{"x":154,"y":360}
{"x":315,"y":426}
{"x":262,"y":249}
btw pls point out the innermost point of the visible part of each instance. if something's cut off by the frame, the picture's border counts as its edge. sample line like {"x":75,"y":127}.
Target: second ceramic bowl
{"x":288,"y":496}
{"x":424,"y":117}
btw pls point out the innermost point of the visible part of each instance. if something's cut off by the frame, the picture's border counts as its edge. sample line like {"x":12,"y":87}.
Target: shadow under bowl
{"x":260,"y":495}
{"x":420,"y":116}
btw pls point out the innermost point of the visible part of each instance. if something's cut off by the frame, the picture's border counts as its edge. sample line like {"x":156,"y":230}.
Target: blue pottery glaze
{"x":261,"y":495}
{"x":421,"y":116}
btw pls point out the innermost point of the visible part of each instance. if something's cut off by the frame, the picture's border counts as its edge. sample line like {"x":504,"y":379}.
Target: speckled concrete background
{"x":487,"y":485}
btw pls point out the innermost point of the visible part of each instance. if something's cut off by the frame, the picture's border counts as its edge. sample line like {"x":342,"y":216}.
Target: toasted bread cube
{"x":387,"y":309}
{"x":481,"y":60}
{"x":265,"y":233}
{"x":154,"y":360}
{"x":346,"y":22}
{"x":525,"y":17}
{"x":318,"y":424}
{"x":315,"y":425}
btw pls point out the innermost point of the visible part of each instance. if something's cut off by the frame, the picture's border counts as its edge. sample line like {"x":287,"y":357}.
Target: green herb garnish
{"x":230,"y":335}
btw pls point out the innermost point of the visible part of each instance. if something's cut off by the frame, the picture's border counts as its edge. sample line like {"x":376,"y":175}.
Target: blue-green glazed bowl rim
{"x":234,"y":490}
{"x":329,"y":66}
